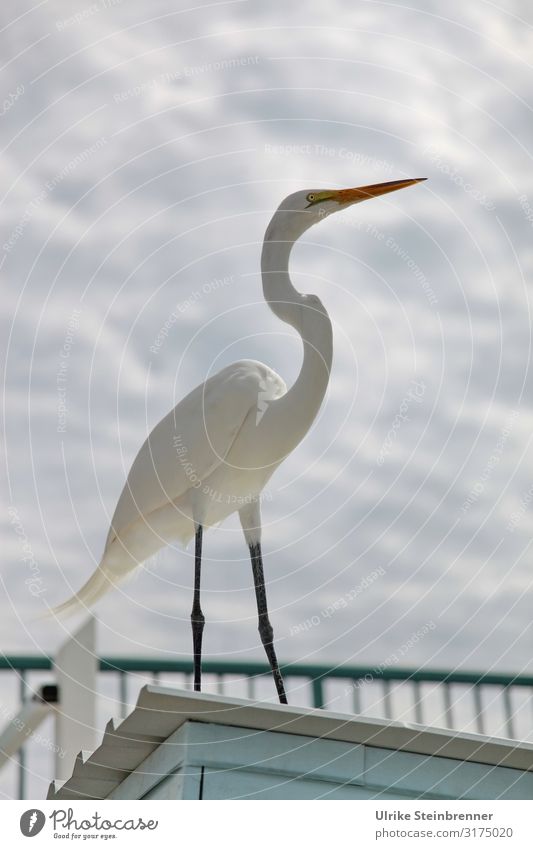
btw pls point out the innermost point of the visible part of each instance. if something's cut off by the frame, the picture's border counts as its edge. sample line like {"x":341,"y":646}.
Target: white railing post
{"x":76,"y":667}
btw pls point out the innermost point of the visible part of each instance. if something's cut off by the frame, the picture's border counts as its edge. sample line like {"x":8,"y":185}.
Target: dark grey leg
{"x":197,"y":617}
{"x":265,"y":628}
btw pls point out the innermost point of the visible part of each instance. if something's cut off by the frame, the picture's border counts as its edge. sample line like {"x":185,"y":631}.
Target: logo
{"x":32,"y":822}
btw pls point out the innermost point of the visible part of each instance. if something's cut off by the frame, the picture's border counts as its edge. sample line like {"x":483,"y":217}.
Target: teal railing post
{"x":478,"y":709}
{"x":318,"y":692}
{"x":509,"y":718}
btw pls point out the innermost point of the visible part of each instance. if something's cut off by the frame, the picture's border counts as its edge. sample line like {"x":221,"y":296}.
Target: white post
{"x":76,"y":666}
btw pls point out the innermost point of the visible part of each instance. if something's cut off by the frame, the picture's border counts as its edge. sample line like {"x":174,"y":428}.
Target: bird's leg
{"x":197,"y":617}
{"x":265,"y":628}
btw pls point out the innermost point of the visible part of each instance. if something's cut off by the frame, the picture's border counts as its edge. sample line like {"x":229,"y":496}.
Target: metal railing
{"x":461,"y":700}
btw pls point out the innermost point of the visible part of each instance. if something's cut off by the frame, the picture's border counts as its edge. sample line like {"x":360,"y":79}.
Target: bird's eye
{"x":311,"y":197}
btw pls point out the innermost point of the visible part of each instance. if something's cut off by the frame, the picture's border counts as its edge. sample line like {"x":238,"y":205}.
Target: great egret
{"x":214,"y":452}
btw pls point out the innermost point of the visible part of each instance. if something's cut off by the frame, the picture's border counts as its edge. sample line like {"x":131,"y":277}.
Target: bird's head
{"x":301,"y":210}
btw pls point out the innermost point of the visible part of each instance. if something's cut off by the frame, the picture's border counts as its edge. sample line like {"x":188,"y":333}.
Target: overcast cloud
{"x":141,"y":160}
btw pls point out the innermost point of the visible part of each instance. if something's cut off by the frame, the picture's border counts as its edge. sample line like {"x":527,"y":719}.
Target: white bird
{"x":214,"y":452}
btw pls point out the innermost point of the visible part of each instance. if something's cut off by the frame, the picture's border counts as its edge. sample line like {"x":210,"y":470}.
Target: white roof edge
{"x":350,"y":728}
{"x":162,"y":710}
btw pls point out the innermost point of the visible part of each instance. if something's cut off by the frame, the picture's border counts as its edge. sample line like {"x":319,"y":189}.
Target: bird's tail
{"x":101,"y":581}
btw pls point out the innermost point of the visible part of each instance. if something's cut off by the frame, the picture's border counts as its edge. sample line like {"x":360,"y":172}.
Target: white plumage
{"x":190,"y":466}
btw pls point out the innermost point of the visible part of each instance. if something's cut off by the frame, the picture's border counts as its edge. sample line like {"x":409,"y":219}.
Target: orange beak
{"x":374,"y":191}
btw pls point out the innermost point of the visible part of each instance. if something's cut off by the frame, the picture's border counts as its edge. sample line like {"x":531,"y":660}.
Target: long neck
{"x":294,"y":413}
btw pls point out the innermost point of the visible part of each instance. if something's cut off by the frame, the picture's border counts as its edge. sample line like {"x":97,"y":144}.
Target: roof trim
{"x":160,"y":711}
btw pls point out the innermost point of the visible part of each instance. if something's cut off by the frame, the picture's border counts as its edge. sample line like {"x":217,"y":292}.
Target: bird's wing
{"x":192,"y":440}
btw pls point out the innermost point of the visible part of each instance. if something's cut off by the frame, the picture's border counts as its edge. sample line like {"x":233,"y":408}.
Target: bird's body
{"x":213,"y":454}
{"x":200,"y":463}
{"x":207,"y":471}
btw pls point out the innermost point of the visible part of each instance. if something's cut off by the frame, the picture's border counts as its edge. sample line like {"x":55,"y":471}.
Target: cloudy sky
{"x":141,"y":160}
